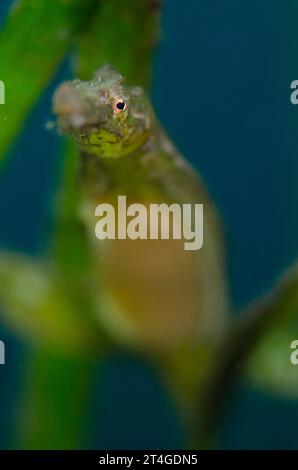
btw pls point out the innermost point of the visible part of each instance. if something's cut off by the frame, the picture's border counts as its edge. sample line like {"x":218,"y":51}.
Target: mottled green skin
{"x":88,"y":110}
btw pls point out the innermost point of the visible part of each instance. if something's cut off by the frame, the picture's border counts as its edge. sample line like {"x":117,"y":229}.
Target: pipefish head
{"x":106,"y":117}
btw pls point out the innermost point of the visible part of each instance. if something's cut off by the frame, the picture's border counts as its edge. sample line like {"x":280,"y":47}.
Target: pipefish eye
{"x":120,"y":106}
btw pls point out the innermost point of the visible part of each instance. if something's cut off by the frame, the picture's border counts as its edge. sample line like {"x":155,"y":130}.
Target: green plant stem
{"x":54,"y":412}
{"x":34,"y":40}
{"x":233,"y":354}
{"x":121,"y":33}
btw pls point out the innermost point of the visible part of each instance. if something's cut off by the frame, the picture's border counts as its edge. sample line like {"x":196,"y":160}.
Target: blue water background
{"x":221,"y":87}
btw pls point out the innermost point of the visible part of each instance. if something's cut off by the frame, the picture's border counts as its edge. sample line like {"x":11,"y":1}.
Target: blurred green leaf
{"x":269,"y":365}
{"x":33,"y":42}
{"x":56,"y":399}
{"x":37,"y":303}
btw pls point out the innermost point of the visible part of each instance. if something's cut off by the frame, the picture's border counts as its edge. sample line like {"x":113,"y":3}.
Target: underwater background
{"x":221,"y":87}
